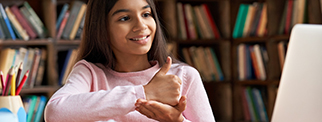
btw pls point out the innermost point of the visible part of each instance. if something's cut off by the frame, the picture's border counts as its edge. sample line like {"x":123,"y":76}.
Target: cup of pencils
{"x":11,"y":109}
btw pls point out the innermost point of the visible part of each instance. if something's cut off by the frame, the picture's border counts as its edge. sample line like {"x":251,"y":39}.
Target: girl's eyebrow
{"x":127,"y":10}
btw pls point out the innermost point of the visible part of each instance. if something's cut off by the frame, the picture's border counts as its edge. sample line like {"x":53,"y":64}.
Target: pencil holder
{"x":11,"y":109}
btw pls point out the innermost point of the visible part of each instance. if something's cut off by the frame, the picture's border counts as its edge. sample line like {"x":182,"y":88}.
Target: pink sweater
{"x":96,"y":93}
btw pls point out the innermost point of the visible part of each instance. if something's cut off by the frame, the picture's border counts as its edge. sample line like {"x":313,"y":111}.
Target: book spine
{"x":6,"y":19}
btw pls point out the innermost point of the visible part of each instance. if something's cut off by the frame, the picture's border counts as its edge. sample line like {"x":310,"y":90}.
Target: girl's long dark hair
{"x":95,"y":44}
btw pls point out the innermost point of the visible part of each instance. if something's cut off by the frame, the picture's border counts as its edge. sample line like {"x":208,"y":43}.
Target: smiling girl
{"x":124,"y":73}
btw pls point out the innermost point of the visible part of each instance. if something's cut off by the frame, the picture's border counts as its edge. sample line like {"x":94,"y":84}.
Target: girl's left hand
{"x":161,"y":112}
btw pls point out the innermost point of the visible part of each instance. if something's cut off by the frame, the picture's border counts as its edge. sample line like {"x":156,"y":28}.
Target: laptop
{"x":299,"y":97}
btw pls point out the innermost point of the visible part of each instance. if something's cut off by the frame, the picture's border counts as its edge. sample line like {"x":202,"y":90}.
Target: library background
{"x":238,"y":46}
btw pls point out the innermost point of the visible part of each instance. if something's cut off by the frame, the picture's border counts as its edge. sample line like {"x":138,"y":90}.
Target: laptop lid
{"x":299,"y":97}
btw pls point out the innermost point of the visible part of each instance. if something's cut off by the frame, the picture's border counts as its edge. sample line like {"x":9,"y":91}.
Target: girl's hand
{"x":161,"y":112}
{"x":164,"y":88}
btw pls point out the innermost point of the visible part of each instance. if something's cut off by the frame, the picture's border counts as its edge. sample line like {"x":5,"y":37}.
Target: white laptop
{"x":299,"y":97}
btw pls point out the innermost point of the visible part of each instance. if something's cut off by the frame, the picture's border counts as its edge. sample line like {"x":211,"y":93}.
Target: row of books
{"x":295,"y":11}
{"x":66,"y":61}
{"x":251,"y":20}
{"x":70,"y":21}
{"x":252,"y":61}
{"x":20,"y":22}
{"x":33,"y":59}
{"x":34,"y":107}
{"x":205,"y":60}
{"x":253,"y":104}
{"x":196,"y":22}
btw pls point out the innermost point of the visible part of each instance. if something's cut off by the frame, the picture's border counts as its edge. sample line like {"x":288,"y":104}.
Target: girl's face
{"x":131,"y":27}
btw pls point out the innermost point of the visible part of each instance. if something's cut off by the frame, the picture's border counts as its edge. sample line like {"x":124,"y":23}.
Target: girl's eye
{"x":124,"y":18}
{"x":146,"y":14}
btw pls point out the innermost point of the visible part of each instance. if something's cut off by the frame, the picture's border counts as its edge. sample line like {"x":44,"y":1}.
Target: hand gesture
{"x":162,"y":112}
{"x":164,"y":88}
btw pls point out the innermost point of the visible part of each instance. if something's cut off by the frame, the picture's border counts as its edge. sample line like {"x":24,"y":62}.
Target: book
{"x":23,"y":21}
{"x":40,"y":110}
{"x":61,"y":15}
{"x":41,"y":68}
{"x":191,"y":28}
{"x":34,"y":68}
{"x":262,"y":22}
{"x":200,"y":53}
{"x":210,"y":32}
{"x":4,"y":27}
{"x":81,"y":26}
{"x":31,"y":108}
{"x":187,"y":56}
{"x":77,"y":22}
{"x":245,"y":105}
{"x":28,"y":65}
{"x":15,"y":23}
{"x":249,"y":20}
{"x":74,"y":10}
{"x":259,"y":105}
{"x":36,"y":18}
{"x":64,"y":64}
{"x":260,"y":62}
{"x":2,"y":34}
{"x":71,"y":62}
{"x":7,"y":21}
{"x":202,"y":24}
{"x":211,"y":21}
{"x":182,"y":27}
{"x":219,"y":73}
{"x":6,"y":60}
{"x":240,"y":21}
{"x":62,"y":25}
{"x":241,"y":58}
{"x":32,"y":21}
{"x":251,"y":105}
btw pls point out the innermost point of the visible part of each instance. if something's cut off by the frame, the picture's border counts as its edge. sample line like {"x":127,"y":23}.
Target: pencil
{"x":18,"y":75}
{"x":13,"y":85}
{"x":2,"y":82}
{"x":22,"y":82}
{"x":8,"y":81}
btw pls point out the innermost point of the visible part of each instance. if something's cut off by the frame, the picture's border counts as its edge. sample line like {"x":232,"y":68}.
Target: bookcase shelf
{"x":224,"y":96}
{"x":230,"y":108}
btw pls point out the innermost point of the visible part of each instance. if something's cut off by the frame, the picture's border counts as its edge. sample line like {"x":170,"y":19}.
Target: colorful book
{"x":7,"y":21}
{"x":40,"y":110}
{"x":61,"y":15}
{"x":77,"y":22}
{"x":74,"y":10}
{"x":15,"y":23}
{"x":36,"y":18}
{"x":23,"y":21}
{"x":240,"y":21}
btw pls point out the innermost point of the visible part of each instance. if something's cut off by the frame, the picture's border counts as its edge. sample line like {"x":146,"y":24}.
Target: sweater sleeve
{"x":76,"y":101}
{"x":198,"y":108}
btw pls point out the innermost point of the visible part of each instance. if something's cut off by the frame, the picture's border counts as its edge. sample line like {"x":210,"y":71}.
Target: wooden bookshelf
{"x":225,"y":97}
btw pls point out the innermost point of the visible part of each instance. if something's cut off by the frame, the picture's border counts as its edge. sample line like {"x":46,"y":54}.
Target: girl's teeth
{"x":136,"y":39}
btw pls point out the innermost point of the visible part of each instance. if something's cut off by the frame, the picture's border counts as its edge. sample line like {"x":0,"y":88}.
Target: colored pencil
{"x":8,"y":81}
{"x":22,"y":82}
{"x":13,"y":85}
{"x":3,"y":85}
{"x":18,"y":75}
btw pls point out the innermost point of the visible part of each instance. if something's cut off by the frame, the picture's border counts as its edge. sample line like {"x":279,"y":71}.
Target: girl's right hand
{"x":164,"y":88}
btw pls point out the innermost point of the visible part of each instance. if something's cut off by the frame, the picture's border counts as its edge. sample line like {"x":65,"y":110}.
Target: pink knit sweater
{"x":96,"y":93}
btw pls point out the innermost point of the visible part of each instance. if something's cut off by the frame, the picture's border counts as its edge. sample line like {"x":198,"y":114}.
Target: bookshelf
{"x":47,"y":11}
{"x":225,"y":96}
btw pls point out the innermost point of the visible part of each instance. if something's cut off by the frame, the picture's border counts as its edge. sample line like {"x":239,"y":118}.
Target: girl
{"x":123,"y":72}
